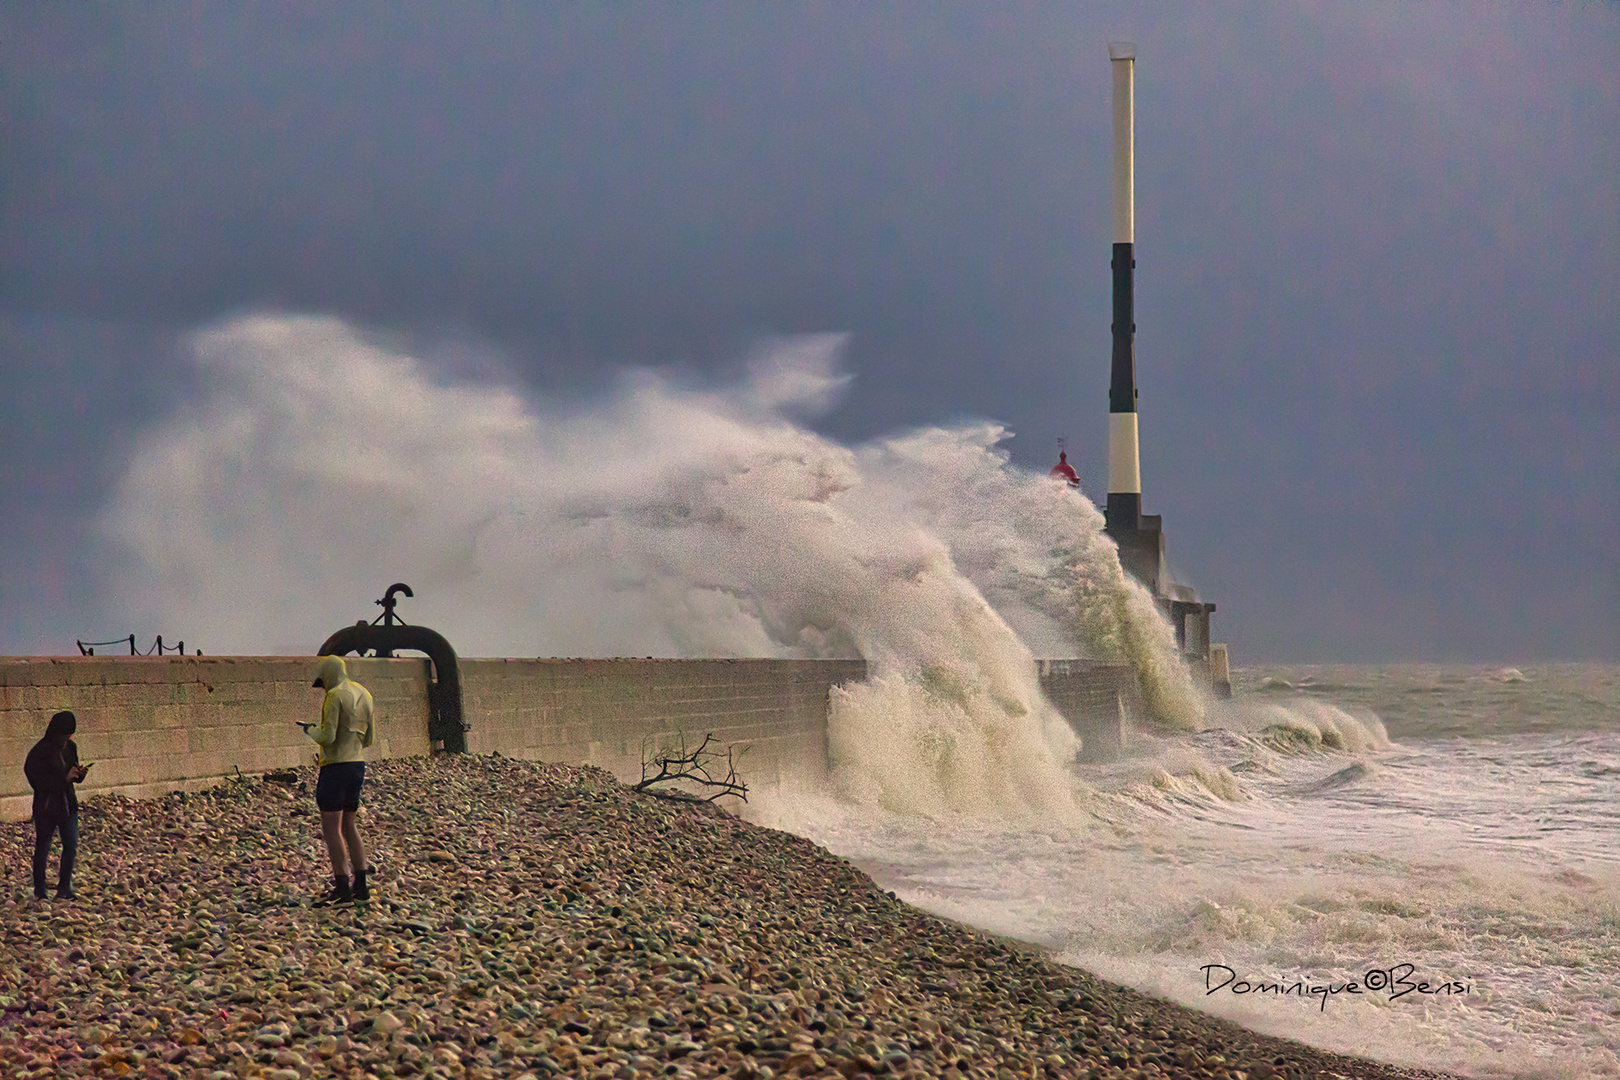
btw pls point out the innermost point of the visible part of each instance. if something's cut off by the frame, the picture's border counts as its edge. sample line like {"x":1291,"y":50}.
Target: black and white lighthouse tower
{"x":1140,"y":536}
{"x":1141,"y":544}
{"x":1124,"y":509}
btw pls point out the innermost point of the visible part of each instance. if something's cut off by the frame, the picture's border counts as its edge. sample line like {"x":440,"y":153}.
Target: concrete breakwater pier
{"x":156,"y":724}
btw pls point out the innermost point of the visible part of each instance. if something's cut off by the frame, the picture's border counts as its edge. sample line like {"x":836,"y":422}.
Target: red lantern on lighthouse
{"x":1064,"y":470}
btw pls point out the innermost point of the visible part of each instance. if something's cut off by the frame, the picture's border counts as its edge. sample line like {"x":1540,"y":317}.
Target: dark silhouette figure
{"x":52,"y":768}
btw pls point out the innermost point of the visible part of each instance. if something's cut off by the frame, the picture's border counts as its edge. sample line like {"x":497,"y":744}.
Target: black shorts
{"x":338,"y":786}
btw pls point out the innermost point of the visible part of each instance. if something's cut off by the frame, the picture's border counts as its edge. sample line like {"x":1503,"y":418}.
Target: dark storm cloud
{"x":76,"y":392}
{"x":672,"y":169}
{"x":1378,"y":250}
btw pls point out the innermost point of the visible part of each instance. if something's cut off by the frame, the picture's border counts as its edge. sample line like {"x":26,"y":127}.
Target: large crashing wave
{"x":318,"y":464}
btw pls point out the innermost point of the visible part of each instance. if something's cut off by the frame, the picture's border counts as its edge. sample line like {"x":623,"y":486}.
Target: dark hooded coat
{"x":48,"y":768}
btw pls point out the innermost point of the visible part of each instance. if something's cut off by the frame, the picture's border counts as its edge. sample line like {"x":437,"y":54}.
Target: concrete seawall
{"x":606,"y":712}
{"x":156,"y":724}
{"x":1098,"y":700}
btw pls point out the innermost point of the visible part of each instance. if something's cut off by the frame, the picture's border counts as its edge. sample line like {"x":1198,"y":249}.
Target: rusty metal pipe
{"x":444,"y":693}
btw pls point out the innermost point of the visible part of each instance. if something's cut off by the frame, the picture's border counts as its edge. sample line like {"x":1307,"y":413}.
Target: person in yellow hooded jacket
{"x":347,"y":727}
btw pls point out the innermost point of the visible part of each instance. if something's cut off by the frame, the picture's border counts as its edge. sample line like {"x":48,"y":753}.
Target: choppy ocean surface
{"x":1328,"y":825}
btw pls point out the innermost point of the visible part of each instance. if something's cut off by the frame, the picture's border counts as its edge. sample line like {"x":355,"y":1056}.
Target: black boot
{"x":340,"y":892}
{"x":362,"y":891}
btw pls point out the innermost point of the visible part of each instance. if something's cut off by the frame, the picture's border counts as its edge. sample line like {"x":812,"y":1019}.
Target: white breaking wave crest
{"x":1303,"y":725}
{"x":319,"y":464}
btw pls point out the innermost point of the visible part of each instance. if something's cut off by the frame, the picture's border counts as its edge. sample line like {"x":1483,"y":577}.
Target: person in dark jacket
{"x":52,"y":768}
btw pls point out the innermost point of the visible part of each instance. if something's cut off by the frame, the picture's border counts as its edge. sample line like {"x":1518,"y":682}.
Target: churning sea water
{"x":1446,"y":837}
{"x":1451,"y":832}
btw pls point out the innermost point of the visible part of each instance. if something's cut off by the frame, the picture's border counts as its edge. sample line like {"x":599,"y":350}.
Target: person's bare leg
{"x":332,"y":830}
{"x":357,"y":850}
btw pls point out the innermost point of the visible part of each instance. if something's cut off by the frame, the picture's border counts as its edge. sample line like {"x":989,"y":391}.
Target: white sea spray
{"x":318,"y":463}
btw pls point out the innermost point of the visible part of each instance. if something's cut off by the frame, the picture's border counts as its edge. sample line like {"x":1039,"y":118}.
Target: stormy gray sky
{"x":1378,"y":260}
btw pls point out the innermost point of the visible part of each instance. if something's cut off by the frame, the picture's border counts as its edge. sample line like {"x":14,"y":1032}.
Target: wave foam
{"x":321,"y":463}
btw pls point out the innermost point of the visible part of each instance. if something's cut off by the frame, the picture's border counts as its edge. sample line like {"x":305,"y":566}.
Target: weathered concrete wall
{"x":606,"y":712}
{"x":1099,"y":701}
{"x":155,"y":724}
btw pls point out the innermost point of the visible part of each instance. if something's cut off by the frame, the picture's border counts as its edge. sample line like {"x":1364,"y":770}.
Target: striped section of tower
{"x":1124,"y":508}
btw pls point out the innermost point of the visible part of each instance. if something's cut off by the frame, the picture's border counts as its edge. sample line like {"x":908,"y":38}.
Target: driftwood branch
{"x":698,"y":767}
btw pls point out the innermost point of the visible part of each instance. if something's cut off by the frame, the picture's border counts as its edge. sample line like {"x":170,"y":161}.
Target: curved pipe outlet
{"x":444,"y":693}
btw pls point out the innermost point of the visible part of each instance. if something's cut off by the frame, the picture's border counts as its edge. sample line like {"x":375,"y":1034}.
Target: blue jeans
{"x":43,"y":832}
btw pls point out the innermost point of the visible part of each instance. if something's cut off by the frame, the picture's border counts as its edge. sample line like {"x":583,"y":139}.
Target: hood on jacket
{"x":330,"y":672}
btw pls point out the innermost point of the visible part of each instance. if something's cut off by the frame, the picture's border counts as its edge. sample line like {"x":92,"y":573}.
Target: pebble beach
{"x":536,"y":920}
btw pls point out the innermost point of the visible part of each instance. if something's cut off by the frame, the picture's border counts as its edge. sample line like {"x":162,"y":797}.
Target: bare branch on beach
{"x":698,"y":767}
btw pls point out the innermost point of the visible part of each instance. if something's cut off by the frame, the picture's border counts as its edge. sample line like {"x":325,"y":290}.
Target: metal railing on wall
{"x":88,"y":648}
